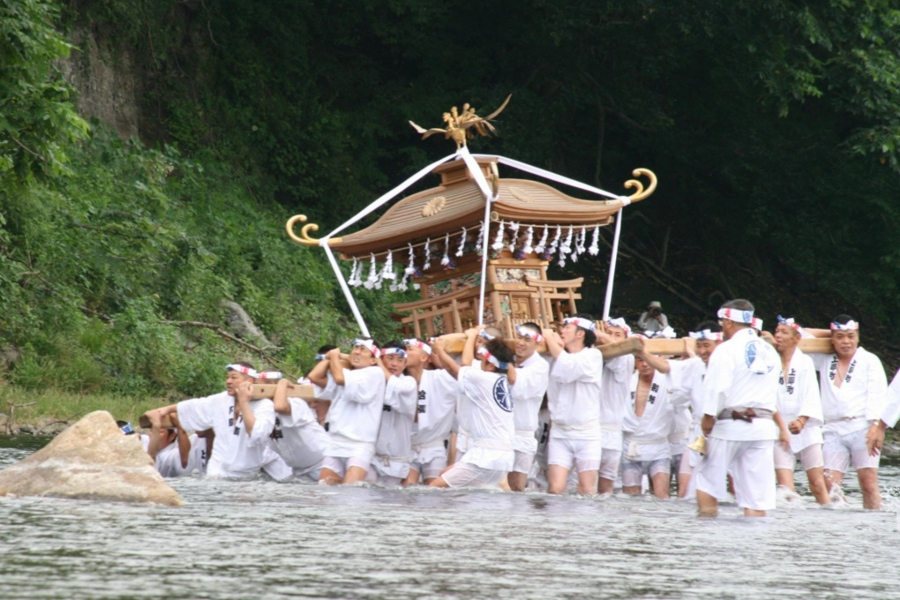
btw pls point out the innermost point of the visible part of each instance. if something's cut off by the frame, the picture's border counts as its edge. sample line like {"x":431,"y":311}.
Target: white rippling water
{"x":262,"y":539}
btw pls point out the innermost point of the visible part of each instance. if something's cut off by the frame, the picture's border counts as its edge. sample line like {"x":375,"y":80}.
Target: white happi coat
{"x":437,"y":398}
{"x":393,"y":450}
{"x":798,"y":396}
{"x":573,"y":395}
{"x":527,"y":394}
{"x":731,"y":383}
{"x":891,"y":413}
{"x":236,"y":454}
{"x":355,"y":411}
{"x":299,"y":439}
{"x":491,"y":425}
{"x":168,"y":460}
{"x":647,"y":437}
{"x":861,"y":397}
{"x":685,"y":382}
{"x":615,"y":390}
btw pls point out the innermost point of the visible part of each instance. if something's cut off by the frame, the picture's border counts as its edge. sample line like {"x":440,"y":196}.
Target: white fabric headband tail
{"x":850,"y":325}
{"x":668,"y":334}
{"x":529,"y":333}
{"x":580,"y":322}
{"x":483,"y":353}
{"x":738,"y":316}
{"x":242,"y":369}
{"x":620,"y":322}
{"x":418,"y":344}
{"x":756,"y":323}
{"x":269,"y":375}
{"x":398,"y":351}
{"x":706,"y":334}
{"x":485,"y":335}
{"x":368,"y":344}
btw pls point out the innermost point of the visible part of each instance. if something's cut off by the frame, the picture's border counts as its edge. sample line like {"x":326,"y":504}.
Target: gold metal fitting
{"x":698,"y":445}
{"x":304,"y":238}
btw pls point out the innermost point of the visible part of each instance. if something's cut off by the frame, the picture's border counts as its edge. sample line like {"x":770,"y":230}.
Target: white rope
{"x":347,"y":294}
{"x":549,"y":175}
{"x":612,"y":265}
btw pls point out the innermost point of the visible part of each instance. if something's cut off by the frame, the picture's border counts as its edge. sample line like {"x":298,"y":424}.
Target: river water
{"x":262,"y":539}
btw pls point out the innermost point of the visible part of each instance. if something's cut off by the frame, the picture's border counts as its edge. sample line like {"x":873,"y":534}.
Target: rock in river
{"x":93,"y":460}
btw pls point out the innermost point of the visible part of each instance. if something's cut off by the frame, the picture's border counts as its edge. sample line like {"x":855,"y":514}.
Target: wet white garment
{"x":862,"y":396}
{"x":646,"y":438}
{"x":491,"y":425}
{"x":891,"y":413}
{"x":355,"y":412}
{"x":742,"y":373}
{"x":236,"y":454}
{"x":299,"y":439}
{"x":685,"y":382}
{"x":437,"y":398}
{"x":393,"y":449}
{"x":168,"y":460}
{"x":798,"y":395}
{"x":615,"y":395}
{"x":528,"y":393}
{"x":573,"y":395}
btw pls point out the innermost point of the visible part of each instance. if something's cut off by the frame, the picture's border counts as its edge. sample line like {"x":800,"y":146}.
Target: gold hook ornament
{"x":304,"y":238}
{"x":641,"y":193}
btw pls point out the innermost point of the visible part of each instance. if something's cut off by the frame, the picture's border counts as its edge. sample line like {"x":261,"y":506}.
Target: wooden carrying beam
{"x":457,"y":341}
{"x":663,"y":347}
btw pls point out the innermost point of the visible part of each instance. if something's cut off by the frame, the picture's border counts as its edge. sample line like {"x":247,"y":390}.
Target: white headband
{"x":706,"y":334}
{"x":756,"y":323}
{"x":529,"y":333}
{"x":790,"y":323}
{"x":269,"y":375}
{"x":485,"y":335}
{"x":668,"y":333}
{"x":738,"y":316}
{"x":850,"y":325}
{"x":483,"y":353}
{"x":580,"y":322}
{"x":242,"y":369}
{"x":399,"y":351}
{"x":418,"y":344}
{"x":368,"y":344}
{"x":620,"y":322}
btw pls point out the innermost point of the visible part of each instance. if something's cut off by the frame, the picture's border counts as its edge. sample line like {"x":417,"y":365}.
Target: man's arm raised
{"x":440,"y":348}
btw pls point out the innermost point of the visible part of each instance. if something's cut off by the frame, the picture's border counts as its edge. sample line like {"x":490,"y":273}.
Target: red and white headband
{"x":665,"y":334}
{"x":398,"y":351}
{"x":756,"y":323}
{"x":620,"y":322}
{"x":790,"y":322}
{"x":529,"y":333}
{"x":418,"y":344}
{"x":850,"y":325}
{"x":369,"y":345}
{"x":243,"y":369}
{"x":485,"y":335}
{"x":738,"y":316}
{"x":706,"y":334}
{"x":269,"y":375}
{"x":486,"y":355}
{"x":580,"y":322}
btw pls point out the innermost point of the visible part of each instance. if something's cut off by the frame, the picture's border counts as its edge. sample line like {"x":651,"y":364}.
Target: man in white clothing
{"x":653,"y":318}
{"x":532,"y":373}
{"x":357,"y":396}
{"x":176,"y":453}
{"x":298,"y":438}
{"x":853,"y":388}
{"x":615,"y":394}
{"x":573,"y":397}
{"x":436,"y":402}
{"x":740,"y":417}
{"x":241,"y":426}
{"x":393,"y":448}
{"x":490,"y":453}
{"x":801,"y":407}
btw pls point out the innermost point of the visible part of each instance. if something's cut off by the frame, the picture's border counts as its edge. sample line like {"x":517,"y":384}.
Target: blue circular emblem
{"x":754,"y":349}
{"x":748,"y":316}
{"x":501,"y":394}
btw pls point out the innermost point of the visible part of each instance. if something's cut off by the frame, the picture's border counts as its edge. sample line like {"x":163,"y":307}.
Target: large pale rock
{"x":92,"y":459}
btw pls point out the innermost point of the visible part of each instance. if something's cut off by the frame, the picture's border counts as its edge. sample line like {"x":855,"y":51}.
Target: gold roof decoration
{"x":460,"y":125}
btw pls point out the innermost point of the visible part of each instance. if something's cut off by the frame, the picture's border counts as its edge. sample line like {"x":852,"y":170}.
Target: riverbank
{"x":47,"y":412}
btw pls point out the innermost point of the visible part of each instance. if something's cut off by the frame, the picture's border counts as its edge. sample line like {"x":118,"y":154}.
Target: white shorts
{"x":340,"y":464}
{"x":811,"y":457}
{"x":583,"y":454}
{"x":431,"y":469}
{"x":523,"y":462}
{"x":840,"y":450}
{"x":374,"y":477}
{"x":469,"y":475}
{"x":752,"y":465}
{"x":609,"y":464}
{"x":633,"y":470}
